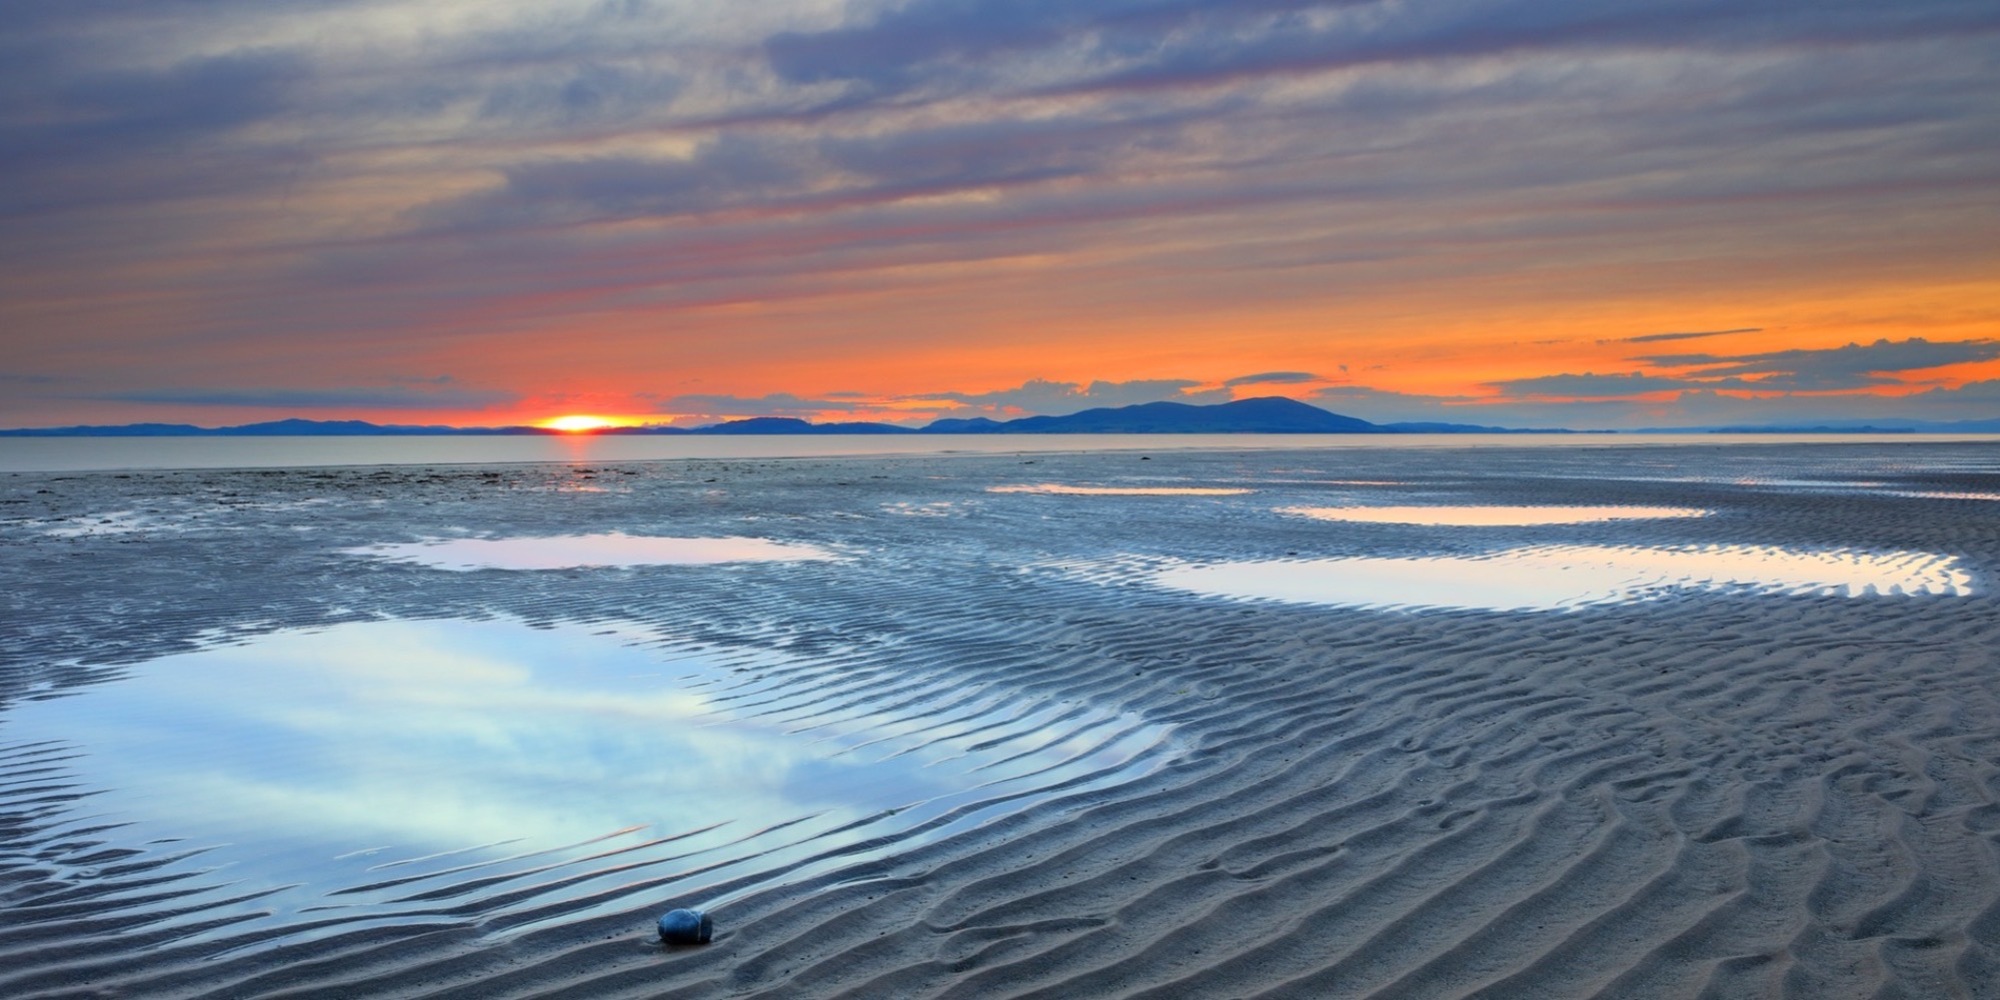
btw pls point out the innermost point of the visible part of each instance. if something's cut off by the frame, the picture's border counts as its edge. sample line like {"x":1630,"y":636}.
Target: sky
{"x":1581,"y":213}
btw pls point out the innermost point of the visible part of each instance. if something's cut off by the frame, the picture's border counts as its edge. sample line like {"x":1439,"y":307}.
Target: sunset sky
{"x":1587,"y":213}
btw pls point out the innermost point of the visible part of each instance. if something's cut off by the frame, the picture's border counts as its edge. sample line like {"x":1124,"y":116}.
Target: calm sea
{"x":102,"y":454}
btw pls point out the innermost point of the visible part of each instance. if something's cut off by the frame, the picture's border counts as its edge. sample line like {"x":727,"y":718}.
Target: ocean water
{"x":113,"y":453}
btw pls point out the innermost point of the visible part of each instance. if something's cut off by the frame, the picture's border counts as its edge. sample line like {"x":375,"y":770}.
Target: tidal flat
{"x":1660,"y":720}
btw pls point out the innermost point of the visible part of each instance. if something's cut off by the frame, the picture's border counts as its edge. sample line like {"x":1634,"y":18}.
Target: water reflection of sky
{"x":1062,"y":489}
{"x":1565,"y":576}
{"x":329,"y":760}
{"x":576,"y":551}
{"x":1944,"y":495}
{"x":1489,"y":516}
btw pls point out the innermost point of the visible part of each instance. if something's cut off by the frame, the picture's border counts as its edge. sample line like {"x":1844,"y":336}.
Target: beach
{"x":1677,"y":720}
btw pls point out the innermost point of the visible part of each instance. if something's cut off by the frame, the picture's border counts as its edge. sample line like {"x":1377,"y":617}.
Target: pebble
{"x":686,"y":927}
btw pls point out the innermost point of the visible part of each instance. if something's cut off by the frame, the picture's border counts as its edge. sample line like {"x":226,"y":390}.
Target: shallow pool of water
{"x":1489,"y":516}
{"x":613,"y":549}
{"x":404,"y":771}
{"x":1569,"y":576}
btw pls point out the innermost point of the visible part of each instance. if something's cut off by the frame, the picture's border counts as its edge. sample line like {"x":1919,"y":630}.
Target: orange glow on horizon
{"x":582,"y":423}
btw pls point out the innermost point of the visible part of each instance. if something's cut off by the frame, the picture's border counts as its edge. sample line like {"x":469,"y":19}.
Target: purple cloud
{"x":1855,"y":366}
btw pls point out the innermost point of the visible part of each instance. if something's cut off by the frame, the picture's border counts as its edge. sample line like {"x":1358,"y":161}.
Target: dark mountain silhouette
{"x":964,"y":425}
{"x":793,"y":425}
{"x":1263,"y":415}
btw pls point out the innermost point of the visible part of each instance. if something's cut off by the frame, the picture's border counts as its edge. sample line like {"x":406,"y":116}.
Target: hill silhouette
{"x":1261,"y":415}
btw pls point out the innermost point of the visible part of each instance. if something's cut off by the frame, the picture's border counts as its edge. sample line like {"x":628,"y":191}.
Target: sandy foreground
{"x":995,"y":733}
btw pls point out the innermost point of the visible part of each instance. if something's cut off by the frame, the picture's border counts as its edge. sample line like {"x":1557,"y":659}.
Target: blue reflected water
{"x":404,"y":771}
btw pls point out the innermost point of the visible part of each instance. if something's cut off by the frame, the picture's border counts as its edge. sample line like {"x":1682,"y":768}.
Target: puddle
{"x":579,"y":551}
{"x":402,"y":772}
{"x":1942,"y":495}
{"x":1489,"y":516}
{"x":1572,"y":576}
{"x":1122,"y":491}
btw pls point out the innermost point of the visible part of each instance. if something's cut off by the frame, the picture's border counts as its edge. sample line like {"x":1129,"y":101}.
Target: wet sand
{"x":1029,"y":757}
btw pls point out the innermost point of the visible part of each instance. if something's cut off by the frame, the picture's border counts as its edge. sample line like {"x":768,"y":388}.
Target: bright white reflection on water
{"x":345,"y":763}
{"x":1061,"y":489}
{"x":576,"y":551}
{"x":1943,"y":495}
{"x":1488,"y":516}
{"x":1568,"y":576}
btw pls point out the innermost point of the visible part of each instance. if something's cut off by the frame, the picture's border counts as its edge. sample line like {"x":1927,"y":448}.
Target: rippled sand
{"x":272,"y":734}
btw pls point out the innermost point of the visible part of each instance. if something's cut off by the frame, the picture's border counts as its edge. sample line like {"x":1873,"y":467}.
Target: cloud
{"x":721,"y":174}
{"x":821,"y":174}
{"x":592,"y":93}
{"x":708,"y":407}
{"x":1651,"y":338}
{"x":1683,"y":408}
{"x":1855,"y":366}
{"x":1387,"y":406}
{"x":1042,"y":397}
{"x":1273,"y":378}
{"x":123,"y":135}
{"x":189,"y":183}
{"x":1036,"y":397}
{"x":391,"y":397}
{"x":1588,"y":385}
{"x":1151,"y":43}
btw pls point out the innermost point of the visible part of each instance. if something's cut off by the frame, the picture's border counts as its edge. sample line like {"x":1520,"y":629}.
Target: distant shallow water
{"x":112,"y":453}
{"x":394,"y":772}
{"x":1489,"y":516}
{"x":1540,"y":578}
{"x":579,"y":551}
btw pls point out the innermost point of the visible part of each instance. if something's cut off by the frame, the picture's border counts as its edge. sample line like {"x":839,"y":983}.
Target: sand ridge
{"x":1720,"y":793}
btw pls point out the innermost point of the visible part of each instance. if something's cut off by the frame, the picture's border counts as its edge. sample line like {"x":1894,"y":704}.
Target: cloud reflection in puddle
{"x":1570,"y":576}
{"x":367,"y":771}
{"x":610,"y":549}
{"x":1489,"y":516}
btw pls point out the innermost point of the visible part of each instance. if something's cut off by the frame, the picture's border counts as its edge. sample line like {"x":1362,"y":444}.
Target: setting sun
{"x":576,"y":423}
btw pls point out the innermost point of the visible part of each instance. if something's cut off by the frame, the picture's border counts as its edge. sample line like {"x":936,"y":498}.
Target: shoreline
{"x":166,"y":454}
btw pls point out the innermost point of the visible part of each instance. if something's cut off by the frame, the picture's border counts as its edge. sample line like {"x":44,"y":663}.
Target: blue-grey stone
{"x":686,"y":927}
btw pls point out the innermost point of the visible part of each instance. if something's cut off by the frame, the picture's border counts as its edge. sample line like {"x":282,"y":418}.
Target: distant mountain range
{"x":1263,"y":415}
